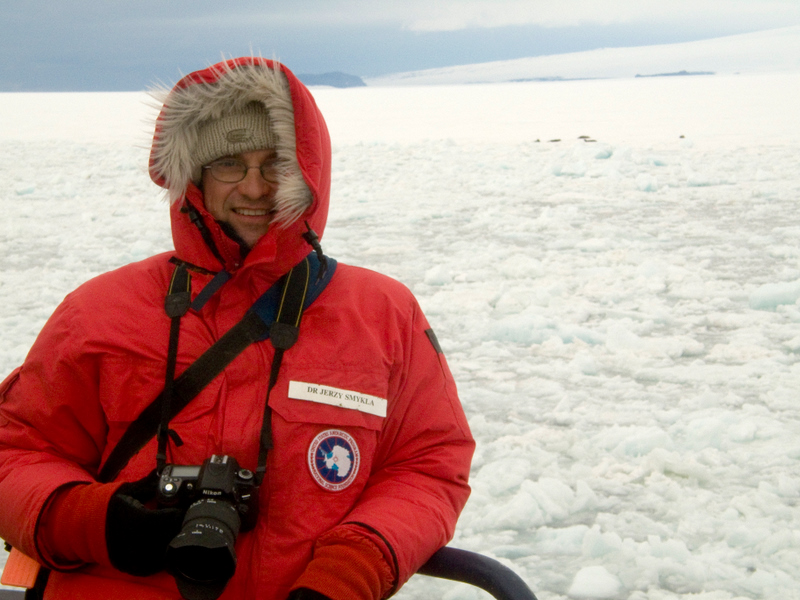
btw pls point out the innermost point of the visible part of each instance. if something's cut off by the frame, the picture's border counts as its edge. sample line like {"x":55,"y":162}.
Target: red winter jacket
{"x":101,"y":358}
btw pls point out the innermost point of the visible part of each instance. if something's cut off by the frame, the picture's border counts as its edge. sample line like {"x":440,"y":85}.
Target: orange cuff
{"x":20,"y":570}
{"x":347,"y":567}
{"x":72,"y":528}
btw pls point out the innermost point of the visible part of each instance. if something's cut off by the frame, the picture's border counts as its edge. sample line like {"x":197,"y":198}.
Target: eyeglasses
{"x":231,"y":170}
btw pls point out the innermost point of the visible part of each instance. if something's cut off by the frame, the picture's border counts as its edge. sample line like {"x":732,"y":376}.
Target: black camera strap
{"x":176,"y":304}
{"x":275,"y":316}
{"x":283,"y":334}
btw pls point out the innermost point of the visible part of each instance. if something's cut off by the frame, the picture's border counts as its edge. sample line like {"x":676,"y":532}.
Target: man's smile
{"x":252,"y":212}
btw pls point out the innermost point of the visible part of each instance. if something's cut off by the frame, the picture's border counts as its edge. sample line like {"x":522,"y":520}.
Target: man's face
{"x":248,"y":205}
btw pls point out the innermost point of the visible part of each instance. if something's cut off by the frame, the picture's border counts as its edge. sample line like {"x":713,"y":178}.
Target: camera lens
{"x":202,"y":557}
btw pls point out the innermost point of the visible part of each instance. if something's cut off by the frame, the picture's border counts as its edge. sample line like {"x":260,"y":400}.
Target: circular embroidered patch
{"x":333,"y":459}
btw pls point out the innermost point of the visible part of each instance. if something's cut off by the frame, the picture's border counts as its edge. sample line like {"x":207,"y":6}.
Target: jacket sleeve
{"x":418,"y":485}
{"x":52,"y":428}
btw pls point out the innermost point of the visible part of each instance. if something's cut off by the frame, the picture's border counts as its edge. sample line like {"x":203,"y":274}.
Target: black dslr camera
{"x":220,"y":501}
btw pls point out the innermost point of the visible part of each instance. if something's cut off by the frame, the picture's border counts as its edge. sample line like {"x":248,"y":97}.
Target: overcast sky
{"x":96,"y":45}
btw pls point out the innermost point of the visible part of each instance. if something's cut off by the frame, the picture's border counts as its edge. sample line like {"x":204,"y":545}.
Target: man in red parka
{"x":369,"y":450}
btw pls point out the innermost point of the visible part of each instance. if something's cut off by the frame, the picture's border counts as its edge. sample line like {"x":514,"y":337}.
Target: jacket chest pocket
{"x":127,"y":386}
{"x":325,"y":440}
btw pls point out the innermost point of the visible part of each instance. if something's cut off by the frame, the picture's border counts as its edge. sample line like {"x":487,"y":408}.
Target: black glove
{"x":136,"y":536}
{"x":306,"y":594}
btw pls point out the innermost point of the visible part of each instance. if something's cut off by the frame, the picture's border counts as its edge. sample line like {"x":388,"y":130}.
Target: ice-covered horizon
{"x":621,"y":311}
{"x":776,"y":50}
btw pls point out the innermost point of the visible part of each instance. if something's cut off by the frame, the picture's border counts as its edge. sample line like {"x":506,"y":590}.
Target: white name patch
{"x":324,"y":394}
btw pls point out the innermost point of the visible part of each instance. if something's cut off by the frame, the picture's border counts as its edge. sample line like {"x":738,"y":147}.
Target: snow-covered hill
{"x":776,"y":50}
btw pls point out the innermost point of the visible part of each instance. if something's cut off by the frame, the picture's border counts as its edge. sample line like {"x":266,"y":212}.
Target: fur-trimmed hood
{"x":303,"y":146}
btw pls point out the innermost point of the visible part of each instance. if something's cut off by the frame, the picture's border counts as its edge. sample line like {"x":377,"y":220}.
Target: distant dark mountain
{"x":679,"y":74}
{"x":337,"y":79}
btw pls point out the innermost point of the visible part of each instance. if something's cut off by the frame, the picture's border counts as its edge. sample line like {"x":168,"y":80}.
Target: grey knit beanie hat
{"x":235,"y":132}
